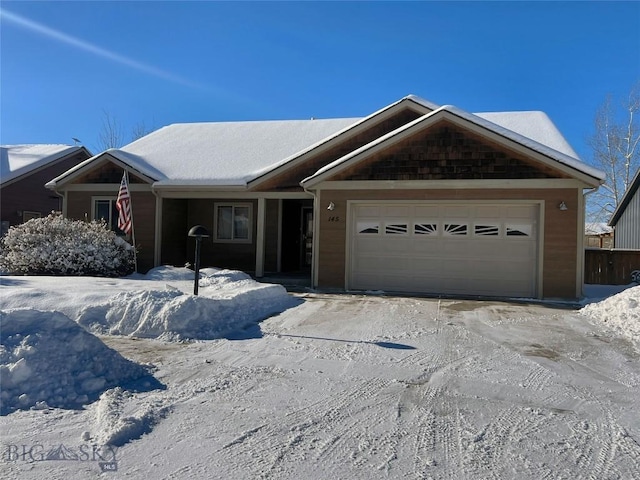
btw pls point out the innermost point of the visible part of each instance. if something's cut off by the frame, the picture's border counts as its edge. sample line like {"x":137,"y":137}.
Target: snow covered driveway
{"x":361,"y":387}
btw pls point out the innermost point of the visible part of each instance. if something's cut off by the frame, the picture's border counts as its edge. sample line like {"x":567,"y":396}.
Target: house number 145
{"x":334,"y":219}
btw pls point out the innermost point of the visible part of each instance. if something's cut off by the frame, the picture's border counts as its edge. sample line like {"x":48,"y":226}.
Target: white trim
{"x":234,"y":205}
{"x":580,"y":244}
{"x":279,"y":241}
{"x":424,"y":123}
{"x":315,"y":247}
{"x":106,"y":187}
{"x":95,"y":198}
{"x":541,"y":245}
{"x":260,"y":236}
{"x":545,"y":183}
{"x":157,"y":255}
{"x":215,"y":194}
{"x":346,"y":134}
{"x":90,"y":164}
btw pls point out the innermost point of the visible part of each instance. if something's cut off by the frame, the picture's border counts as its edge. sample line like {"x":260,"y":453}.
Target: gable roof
{"x":626,"y":198}
{"x":218,"y":153}
{"x":19,"y":160}
{"x":538,"y":126}
{"x":234,"y":154}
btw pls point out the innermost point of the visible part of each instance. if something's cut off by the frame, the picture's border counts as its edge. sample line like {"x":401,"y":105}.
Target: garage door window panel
{"x":396,"y":228}
{"x":519,"y":230}
{"x":366,"y":227}
{"x":486,"y":229}
{"x":455,"y":229}
{"x":425,"y":228}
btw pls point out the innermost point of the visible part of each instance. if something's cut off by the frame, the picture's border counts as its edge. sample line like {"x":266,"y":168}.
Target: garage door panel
{"x":485,"y":249}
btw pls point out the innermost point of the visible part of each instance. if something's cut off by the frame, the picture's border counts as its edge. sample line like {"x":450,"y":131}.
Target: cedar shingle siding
{"x":445,"y":152}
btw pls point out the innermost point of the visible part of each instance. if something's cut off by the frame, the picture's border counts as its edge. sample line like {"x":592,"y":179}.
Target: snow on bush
{"x":621,"y":312}
{"x":47,"y":359}
{"x":54,"y":245}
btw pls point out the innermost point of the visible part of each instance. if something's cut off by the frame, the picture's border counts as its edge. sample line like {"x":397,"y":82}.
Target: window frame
{"x":233,"y":205}
{"x":112,"y":222}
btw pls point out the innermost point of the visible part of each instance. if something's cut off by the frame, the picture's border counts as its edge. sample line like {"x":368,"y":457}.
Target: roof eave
{"x":422,"y":105}
{"x":461,"y":117}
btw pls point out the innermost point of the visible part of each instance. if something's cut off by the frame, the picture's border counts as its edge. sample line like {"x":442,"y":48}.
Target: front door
{"x":297,"y":235}
{"x":307,"y":237}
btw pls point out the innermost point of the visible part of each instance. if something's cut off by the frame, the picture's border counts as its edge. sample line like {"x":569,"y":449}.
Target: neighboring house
{"x":626,"y":218}
{"x":598,"y":235}
{"x":24,"y":169}
{"x":415,"y":197}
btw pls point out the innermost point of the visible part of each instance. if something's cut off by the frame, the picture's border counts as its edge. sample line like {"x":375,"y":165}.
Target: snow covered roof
{"x":597,"y":228}
{"x":17,"y":160}
{"x":530,"y":129}
{"x":221,"y":153}
{"x":232,"y":154}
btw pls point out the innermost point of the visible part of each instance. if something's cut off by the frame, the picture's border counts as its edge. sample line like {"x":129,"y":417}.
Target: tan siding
{"x":238,"y":256}
{"x":560,"y":230}
{"x":143,"y":205}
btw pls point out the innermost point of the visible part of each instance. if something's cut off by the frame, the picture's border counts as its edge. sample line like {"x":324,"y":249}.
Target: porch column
{"x":260,"y":237}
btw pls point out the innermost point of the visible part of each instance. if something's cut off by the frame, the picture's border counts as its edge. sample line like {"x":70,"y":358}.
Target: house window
{"x":26,"y":216}
{"x":104,"y":208}
{"x":233,"y":222}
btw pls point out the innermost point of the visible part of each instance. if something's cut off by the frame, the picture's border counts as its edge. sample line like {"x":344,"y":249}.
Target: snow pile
{"x":621,"y":311}
{"x":48,"y":360}
{"x":229,"y":301}
{"x":159,"y":304}
{"x":117,"y":426}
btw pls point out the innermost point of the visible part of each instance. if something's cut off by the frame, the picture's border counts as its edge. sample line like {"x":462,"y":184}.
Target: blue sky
{"x":65,"y":63}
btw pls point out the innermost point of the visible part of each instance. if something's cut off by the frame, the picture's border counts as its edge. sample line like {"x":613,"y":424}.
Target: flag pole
{"x":133,"y":228}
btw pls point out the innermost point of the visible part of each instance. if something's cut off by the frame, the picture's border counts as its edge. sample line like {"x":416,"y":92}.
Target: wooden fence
{"x":611,"y":267}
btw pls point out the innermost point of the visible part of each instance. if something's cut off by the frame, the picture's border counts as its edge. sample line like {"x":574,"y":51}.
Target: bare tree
{"x":139,"y":130}
{"x":110,"y":135}
{"x":616,"y":151}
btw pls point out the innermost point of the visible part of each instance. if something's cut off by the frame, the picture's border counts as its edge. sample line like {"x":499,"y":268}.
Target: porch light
{"x":199,"y":232}
{"x":563,"y":206}
{"x":331,"y":206}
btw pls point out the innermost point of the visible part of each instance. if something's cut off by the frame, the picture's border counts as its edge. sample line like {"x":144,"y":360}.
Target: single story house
{"x":415,"y":197}
{"x":24,"y":169}
{"x":626,"y":218}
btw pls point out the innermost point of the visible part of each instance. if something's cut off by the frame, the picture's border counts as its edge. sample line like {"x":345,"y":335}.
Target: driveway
{"x":361,"y":387}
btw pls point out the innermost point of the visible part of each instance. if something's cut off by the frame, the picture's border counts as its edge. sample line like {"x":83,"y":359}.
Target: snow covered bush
{"x":54,"y":245}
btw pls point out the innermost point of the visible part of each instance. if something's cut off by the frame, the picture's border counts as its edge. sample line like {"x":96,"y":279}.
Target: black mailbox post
{"x":199,"y":232}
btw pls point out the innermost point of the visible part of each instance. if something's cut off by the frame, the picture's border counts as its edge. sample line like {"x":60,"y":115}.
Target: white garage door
{"x":473,"y":249}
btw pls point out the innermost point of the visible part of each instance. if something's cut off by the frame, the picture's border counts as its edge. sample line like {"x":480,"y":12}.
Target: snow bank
{"x":621,"y":311}
{"x":159,"y":304}
{"x":229,"y":301}
{"x":48,"y":360}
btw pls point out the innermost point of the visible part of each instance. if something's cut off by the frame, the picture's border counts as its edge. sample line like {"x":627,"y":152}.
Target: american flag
{"x":123,"y":204}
